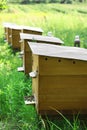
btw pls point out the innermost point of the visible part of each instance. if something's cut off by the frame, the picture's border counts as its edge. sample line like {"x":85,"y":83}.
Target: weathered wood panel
{"x":16,"y":38}
{"x":9,"y":35}
{"x":63,"y":92}
{"x":61,"y":66}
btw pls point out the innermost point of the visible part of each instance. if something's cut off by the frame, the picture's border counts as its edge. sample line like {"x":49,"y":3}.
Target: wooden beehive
{"x":59,"y":78}
{"x":30,"y":30}
{"x":15,"y":36}
{"x":16,"y":30}
{"x":27,"y":58}
{"x":7,"y":31}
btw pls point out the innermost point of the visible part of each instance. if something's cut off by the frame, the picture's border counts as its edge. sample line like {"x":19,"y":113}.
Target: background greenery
{"x":64,"y":21}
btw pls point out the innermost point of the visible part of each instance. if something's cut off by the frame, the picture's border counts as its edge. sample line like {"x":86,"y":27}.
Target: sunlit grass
{"x":64,"y":21}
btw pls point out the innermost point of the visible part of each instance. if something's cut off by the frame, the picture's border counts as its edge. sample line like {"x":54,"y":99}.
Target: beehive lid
{"x":16,"y":27}
{"x":32,"y":28}
{"x":8,"y":24}
{"x":58,"y":51}
{"x":20,"y":27}
{"x":41,"y":38}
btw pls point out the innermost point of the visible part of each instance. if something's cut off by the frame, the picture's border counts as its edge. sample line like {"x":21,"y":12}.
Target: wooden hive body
{"x":6,"y":30}
{"x":61,"y":80}
{"x":27,"y":58}
{"x":9,"y":35}
{"x":30,"y":30}
{"x":16,"y":34}
{"x":15,"y":38}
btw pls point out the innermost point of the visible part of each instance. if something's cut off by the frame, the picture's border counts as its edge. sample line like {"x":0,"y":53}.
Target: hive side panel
{"x":27,"y":58}
{"x":22,"y":45}
{"x":63,"y":93}
{"x":61,"y":66}
{"x":35,"y":81}
{"x":9,"y":34}
{"x":16,"y":39}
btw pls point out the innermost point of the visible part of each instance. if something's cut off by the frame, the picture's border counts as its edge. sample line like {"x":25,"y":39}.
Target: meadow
{"x":64,"y":21}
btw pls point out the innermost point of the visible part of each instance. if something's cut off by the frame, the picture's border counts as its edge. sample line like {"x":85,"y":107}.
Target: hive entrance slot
{"x":29,"y":100}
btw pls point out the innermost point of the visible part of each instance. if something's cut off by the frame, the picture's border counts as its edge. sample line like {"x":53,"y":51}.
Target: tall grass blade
{"x":68,"y":122}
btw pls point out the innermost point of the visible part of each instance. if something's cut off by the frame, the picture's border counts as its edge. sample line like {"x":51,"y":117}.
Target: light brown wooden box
{"x":30,"y":30}
{"x":60,"y":83}
{"x":15,"y":37}
{"x":27,"y":57}
{"x":6,"y":31}
{"x":16,"y":34}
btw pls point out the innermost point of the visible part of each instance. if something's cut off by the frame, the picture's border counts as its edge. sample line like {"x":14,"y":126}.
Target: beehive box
{"x":6,"y":30}
{"x":16,"y":30}
{"x":30,"y":30}
{"x":27,"y":58}
{"x":15,"y":36}
{"x":59,"y":78}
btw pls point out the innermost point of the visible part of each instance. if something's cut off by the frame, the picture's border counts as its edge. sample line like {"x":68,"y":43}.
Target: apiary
{"x":27,"y":58}
{"x":59,"y":78}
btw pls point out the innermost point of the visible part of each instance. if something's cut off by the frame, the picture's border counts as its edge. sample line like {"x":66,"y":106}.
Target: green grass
{"x":65,"y":21}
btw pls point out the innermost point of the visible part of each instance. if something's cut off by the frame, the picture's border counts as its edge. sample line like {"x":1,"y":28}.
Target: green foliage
{"x":45,"y":1}
{"x":3,"y":4}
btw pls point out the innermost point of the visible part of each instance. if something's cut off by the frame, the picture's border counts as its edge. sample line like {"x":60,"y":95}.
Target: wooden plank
{"x":27,"y":59}
{"x":59,"y":51}
{"x":27,"y":63}
{"x":63,"y":84}
{"x":26,"y":46}
{"x":35,"y":92}
{"x":63,"y":92}
{"x":61,"y":66}
{"x":9,"y":35}
{"x":16,"y":39}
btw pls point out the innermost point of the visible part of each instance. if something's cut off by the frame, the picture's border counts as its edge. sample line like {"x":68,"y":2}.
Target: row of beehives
{"x":59,"y":73}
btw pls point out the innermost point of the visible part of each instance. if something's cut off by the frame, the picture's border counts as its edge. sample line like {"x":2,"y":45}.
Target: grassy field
{"x":64,"y":21}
